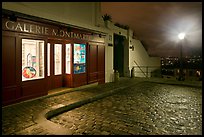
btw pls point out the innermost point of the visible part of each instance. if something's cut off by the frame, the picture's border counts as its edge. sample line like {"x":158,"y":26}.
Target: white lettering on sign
{"x":31,"y":28}
{"x":18,"y":26}
{"x":9,"y":25}
{"x":24,"y":27}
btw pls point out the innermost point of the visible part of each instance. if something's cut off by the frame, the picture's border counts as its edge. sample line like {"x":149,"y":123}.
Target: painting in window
{"x":79,"y":58}
{"x":32,"y":59}
{"x":58,"y":59}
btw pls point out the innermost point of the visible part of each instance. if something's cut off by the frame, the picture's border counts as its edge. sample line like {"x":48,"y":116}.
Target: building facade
{"x":48,"y":45}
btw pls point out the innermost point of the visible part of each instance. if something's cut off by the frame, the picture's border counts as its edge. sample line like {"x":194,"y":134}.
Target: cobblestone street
{"x":145,"y":109}
{"x":128,"y":107}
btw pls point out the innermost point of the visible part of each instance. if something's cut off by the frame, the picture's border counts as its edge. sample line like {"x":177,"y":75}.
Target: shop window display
{"x":48,"y":59}
{"x":68,"y":57}
{"x":32,"y":59}
{"x":58,"y":59}
{"x":79,"y":58}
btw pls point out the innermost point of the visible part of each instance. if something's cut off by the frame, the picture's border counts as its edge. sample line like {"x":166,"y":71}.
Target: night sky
{"x":157,"y":24}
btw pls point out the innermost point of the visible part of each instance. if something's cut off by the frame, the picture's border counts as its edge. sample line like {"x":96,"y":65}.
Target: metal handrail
{"x":146,"y":75}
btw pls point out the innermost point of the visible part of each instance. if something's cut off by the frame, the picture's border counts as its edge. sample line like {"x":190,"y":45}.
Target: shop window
{"x":68,"y":57}
{"x":79,"y":58}
{"x":58,"y":59}
{"x":48,"y":59}
{"x":32,"y":59}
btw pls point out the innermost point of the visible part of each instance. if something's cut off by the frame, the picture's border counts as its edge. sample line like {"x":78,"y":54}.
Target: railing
{"x":146,"y":71}
{"x":145,"y":74}
{"x":190,"y":74}
{"x":157,"y":71}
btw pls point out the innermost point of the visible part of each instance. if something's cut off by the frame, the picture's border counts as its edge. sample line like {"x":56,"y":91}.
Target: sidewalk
{"x":30,"y":117}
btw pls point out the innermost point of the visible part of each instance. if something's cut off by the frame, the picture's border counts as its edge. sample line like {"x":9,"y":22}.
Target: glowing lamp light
{"x":181,"y":35}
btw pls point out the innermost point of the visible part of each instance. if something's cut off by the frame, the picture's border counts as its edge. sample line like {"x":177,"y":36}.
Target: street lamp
{"x":181,"y":36}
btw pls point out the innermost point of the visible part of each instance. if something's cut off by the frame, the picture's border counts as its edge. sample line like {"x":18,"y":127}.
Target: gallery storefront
{"x":38,"y":56}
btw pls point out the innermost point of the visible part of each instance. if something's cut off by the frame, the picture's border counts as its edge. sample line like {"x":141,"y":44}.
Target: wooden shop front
{"x":38,"y":56}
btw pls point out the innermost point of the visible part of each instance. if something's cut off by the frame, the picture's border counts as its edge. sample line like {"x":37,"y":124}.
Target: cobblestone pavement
{"x":145,"y":109}
{"x":19,"y":118}
{"x":100,"y":116}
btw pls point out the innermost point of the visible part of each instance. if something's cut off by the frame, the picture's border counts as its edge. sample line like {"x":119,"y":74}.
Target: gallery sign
{"x":49,"y":31}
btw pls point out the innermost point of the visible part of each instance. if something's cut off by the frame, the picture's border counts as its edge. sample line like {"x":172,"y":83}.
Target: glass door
{"x":79,"y":64}
{"x":54,"y":64}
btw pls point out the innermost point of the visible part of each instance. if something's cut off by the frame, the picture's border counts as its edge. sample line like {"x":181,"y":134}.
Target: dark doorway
{"x":119,"y":54}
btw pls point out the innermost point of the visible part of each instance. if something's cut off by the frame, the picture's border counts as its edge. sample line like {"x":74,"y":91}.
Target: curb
{"x":44,"y":117}
{"x":60,"y":108}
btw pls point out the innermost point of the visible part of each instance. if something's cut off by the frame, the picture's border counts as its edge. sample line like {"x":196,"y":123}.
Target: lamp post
{"x":181,"y":36}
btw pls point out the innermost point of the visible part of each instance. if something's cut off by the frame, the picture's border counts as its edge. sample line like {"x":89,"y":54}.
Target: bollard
{"x":116,"y":76}
{"x":132,"y":73}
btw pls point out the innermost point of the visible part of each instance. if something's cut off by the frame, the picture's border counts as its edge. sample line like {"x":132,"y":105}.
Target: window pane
{"x":79,"y":53}
{"x":58,"y":59}
{"x":32,"y":59}
{"x":48,"y":59}
{"x":68,"y":57}
{"x":79,"y":58}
